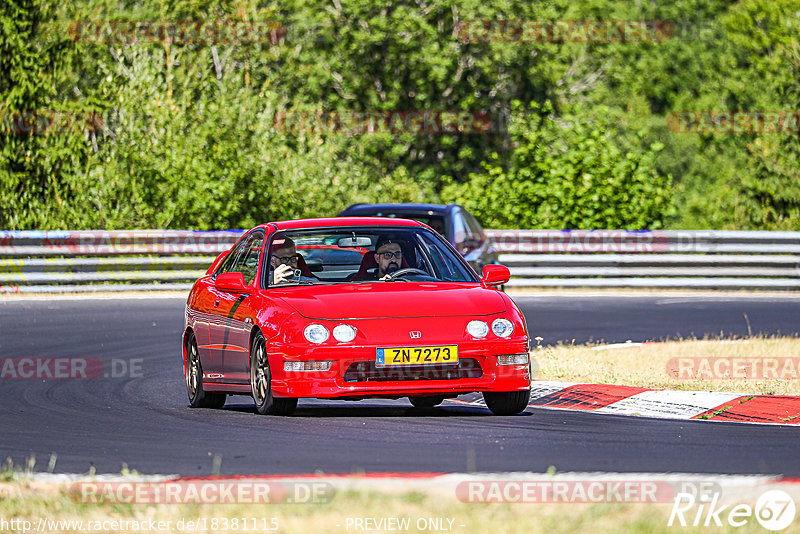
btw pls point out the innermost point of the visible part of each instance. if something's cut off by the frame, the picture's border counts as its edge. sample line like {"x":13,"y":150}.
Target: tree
{"x":34,"y":165}
{"x":566,"y":172}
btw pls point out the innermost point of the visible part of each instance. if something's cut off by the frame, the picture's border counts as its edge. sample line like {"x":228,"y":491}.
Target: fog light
{"x":513,"y":359}
{"x":316,"y":333}
{"x":307,"y":366}
{"x":477,"y":329}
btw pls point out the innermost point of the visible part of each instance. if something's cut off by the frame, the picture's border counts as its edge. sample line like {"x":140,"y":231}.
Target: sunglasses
{"x":390,"y":255}
{"x":286,"y":260}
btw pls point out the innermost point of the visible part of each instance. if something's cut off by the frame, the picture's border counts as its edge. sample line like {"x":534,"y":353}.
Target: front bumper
{"x":355,"y":374}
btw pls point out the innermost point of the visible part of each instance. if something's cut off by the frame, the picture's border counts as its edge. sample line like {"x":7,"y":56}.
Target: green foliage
{"x":189,"y":136}
{"x":33,"y":168}
{"x":747,"y":181}
{"x":566,"y":172}
{"x":771,"y":190}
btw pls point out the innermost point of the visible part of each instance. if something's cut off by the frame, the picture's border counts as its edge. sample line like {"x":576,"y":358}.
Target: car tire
{"x":426,"y":402}
{"x":198,"y":397}
{"x":261,"y":382}
{"x":507,"y":402}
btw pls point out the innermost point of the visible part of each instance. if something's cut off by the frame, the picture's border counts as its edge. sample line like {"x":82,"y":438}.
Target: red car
{"x":362,"y":308}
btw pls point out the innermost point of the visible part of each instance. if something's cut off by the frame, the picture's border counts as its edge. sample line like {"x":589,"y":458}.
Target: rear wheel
{"x":198,"y":398}
{"x":426,"y":402}
{"x":261,"y":382}
{"x":507,"y":402}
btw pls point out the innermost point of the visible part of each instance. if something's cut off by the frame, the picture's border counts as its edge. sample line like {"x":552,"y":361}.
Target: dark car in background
{"x":454,"y":222}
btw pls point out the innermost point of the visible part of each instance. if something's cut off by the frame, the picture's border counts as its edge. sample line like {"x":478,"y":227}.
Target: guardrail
{"x":87,"y":261}
{"x":144,"y":260}
{"x":659,"y":259}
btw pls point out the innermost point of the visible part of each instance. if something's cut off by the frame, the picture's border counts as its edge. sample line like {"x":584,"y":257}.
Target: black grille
{"x":369,"y":372}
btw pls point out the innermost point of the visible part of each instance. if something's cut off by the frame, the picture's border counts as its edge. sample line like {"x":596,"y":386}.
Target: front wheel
{"x":507,"y":402}
{"x":261,"y":382}
{"x":198,"y":398}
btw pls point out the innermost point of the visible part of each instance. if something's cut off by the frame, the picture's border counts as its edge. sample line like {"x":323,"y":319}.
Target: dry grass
{"x":31,"y":502}
{"x":647,"y":365}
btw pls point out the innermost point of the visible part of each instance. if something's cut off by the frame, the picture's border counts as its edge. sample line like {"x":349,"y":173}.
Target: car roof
{"x":341,"y":221}
{"x":409,"y":208}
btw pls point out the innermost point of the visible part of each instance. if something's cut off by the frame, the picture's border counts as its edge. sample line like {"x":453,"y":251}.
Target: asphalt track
{"x":143,"y":421}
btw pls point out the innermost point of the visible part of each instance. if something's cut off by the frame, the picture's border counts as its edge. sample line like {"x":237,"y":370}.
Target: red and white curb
{"x":630,"y":400}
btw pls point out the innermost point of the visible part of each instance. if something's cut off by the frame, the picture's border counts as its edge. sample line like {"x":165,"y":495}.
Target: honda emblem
{"x":415,"y":334}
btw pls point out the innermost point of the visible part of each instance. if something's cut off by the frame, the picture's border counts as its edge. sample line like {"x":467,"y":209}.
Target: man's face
{"x":285,"y":255}
{"x":389,"y":258}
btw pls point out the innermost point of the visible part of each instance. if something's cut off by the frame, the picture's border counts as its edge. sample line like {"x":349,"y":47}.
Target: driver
{"x":388,"y":256}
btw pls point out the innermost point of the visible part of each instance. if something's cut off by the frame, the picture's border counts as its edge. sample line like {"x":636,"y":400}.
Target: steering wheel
{"x":407,"y":270}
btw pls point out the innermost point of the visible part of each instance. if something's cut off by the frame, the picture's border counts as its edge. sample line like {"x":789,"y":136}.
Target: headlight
{"x":477,"y":329}
{"x":502,"y":327}
{"x":316,"y":333}
{"x":344,"y":333}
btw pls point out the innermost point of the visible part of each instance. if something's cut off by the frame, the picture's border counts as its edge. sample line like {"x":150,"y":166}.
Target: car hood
{"x":396,"y":299}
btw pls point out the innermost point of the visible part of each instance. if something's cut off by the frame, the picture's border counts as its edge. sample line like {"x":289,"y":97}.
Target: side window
{"x":464,"y":236}
{"x":445,"y":264}
{"x":247,"y":261}
{"x":231,"y":259}
{"x":477,"y":231}
{"x":245,"y":258}
{"x":459,"y":231}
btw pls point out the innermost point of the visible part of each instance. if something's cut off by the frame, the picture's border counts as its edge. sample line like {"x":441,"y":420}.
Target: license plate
{"x":417,"y":355}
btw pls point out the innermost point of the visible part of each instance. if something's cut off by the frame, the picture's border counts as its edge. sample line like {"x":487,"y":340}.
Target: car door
{"x":219,"y":306}
{"x":200,"y":315}
{"x":241,"y":314}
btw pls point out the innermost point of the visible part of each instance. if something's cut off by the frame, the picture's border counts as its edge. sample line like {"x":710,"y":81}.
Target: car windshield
{"x":352,"y":255}
{"x":436,"y":222}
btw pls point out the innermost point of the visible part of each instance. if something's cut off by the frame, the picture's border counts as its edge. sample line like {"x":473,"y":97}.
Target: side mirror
{"x":230,"y":282}
{"x":495,"y":275}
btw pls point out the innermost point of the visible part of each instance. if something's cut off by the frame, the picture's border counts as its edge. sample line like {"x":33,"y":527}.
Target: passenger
{"x":284,"y":262}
